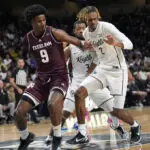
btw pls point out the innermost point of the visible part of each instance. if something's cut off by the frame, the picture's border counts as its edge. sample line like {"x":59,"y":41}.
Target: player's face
{"x":39,"y":23}
{"x":92,"y":20}
{"x":78,"y":31}
{"x":20,"y":63}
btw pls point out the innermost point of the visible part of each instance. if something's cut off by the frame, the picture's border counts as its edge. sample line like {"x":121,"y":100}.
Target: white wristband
{"x":82,"y":44}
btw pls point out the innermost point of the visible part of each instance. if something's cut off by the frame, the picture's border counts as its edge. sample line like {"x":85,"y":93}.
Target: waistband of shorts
{"x":110,"y":67}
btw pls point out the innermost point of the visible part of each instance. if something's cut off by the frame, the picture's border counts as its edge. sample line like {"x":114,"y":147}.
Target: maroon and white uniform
{"x":51,"y":66}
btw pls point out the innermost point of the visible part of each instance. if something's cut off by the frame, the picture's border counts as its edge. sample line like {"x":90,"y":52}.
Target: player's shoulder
{"x":28,"y":34}
{"x":49,"y":28}
{"x":72,"y":47}
{"x":27,"y":37}
{"x":104,"y":23}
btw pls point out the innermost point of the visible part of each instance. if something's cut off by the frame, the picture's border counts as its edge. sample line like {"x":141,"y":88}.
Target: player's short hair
{"x":20,"y":58}
{"x":82,"y":15}
{"x":78,"y":22}
{"x":34,"y":10}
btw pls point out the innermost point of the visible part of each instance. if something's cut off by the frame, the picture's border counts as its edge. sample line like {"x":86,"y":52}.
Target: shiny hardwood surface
{"x":9,"y":132}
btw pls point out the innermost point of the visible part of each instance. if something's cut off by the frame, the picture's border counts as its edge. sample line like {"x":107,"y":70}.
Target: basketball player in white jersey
{"x":111,"y":72}
{"x":82,"y":65}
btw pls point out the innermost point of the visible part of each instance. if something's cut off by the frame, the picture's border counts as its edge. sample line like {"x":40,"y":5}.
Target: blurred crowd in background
{"x":134,"y":25}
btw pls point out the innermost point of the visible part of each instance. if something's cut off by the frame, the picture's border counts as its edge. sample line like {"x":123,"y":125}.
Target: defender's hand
{"x":87,"y":45}
{"x":110,"y":40}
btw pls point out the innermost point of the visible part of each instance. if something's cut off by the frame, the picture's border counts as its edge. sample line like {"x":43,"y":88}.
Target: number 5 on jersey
{"x":44,"y":56}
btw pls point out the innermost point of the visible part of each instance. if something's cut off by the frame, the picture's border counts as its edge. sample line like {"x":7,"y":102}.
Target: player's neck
{"x":92,"y":29}
{"x":38,"y":34}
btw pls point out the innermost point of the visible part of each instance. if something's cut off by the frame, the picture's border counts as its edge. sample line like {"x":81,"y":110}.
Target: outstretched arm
{"x":117,"y":38}
{"x":62,"y":36}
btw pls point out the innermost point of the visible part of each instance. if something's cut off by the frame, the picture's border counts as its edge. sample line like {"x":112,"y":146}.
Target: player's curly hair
{"x":34,"y":10}
{"x":82,"y":15}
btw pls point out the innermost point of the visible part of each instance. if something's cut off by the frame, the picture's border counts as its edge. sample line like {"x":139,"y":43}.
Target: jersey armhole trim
{"x":55,"y":40}
{"x":28,"y":42}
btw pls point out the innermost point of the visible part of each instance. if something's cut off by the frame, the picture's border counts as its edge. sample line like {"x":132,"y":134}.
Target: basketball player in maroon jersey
{"x":44,"y":43}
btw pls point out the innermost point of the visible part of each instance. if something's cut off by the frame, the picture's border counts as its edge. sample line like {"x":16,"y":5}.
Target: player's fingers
{"x":109,"y":36}
{"x":106,"y":41}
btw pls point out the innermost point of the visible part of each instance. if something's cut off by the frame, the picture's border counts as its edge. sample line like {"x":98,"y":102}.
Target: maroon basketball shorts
{"x":38,"y":91}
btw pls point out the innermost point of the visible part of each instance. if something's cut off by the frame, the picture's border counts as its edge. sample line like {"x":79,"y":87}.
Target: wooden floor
{"x":98,"y":126}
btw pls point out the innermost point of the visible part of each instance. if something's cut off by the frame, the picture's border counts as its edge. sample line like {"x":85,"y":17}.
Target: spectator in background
{"x":130,"y":76}
{"x":7,"y":79}
{"x":7,"y":61}
{"x":0,"y":75}
{"x":147,"y":86}
{"x":11,"y":94}
{"x":136,"y":61}
{"x":19,"y":79}
{"x":147,"y":62}
{"x":1,"y":63}
{"x":136,"y":93}
{"x":5,"y":104}
{"x":3,"y":73}
{"x":2,"y":94}
{"x":139,"y":81}
{"x":19,"y":82}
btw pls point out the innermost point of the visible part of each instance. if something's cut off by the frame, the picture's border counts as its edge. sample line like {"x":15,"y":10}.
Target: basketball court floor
{"x":102,"y":137}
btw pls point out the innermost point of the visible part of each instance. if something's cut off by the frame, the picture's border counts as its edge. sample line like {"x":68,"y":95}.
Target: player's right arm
{"x":62,"y":36}
{"x":116,"y":38}
{"x":67,"y":53}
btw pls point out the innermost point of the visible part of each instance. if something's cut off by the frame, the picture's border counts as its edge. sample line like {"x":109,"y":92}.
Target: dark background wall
{"x":56,"y":7}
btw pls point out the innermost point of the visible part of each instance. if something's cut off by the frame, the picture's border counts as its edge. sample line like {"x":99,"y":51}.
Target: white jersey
{"x":81,"y":61}
{"x":107,"y":54}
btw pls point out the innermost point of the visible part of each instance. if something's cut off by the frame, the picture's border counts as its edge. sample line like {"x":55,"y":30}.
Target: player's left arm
{"x":62,"y":36}
{"x":93,"y":64}
{"x":117,"y":38}
{"x":91,"y":68}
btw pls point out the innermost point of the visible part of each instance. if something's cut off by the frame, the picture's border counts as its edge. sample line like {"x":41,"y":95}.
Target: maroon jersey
{"x":48,"y":53}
